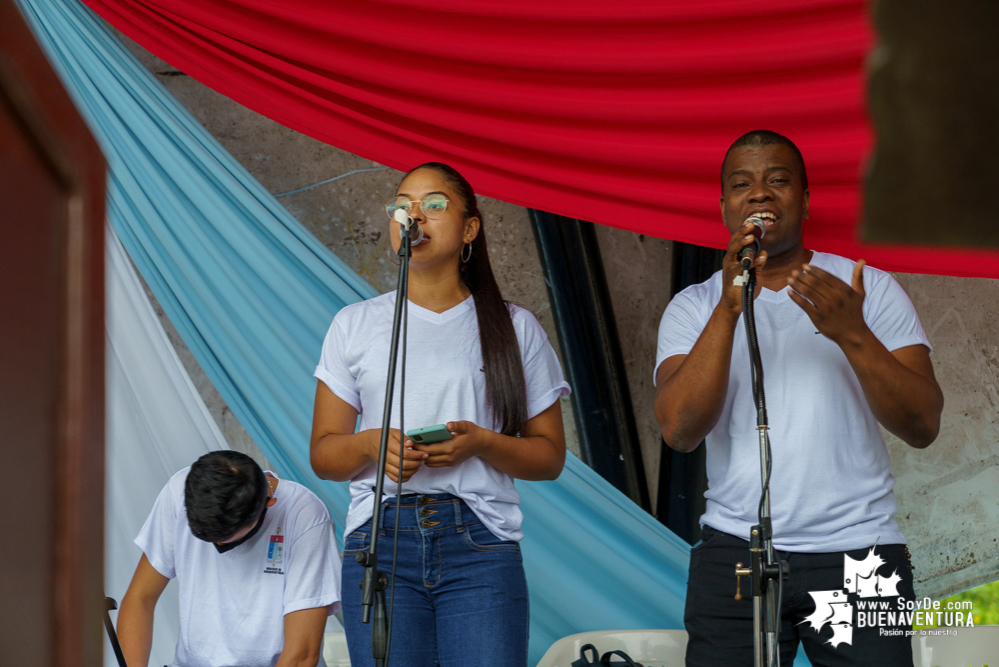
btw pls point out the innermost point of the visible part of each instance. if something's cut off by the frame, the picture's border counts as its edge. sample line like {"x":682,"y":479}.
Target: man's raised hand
{"x":835,"y":308}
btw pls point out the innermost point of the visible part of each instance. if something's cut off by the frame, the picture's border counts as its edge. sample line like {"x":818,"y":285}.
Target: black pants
{"x":721,"y":630}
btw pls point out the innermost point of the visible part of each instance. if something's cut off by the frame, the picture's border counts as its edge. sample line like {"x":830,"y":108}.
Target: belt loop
{"x":381,"y":518}
{"x":457,"y":513}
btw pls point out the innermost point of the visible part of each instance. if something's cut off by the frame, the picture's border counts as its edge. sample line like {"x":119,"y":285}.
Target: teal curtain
{"x":252,"y":293}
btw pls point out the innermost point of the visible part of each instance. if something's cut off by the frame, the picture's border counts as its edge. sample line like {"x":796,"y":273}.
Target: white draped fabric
{"x":156,"y":425}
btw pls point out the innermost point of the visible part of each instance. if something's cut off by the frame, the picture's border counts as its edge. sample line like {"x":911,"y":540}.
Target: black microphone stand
{"x":766,"y":572}
{"x":109,"y":606}
{"x":375,"y":582}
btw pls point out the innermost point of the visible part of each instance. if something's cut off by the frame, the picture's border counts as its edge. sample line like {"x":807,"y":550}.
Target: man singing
{"x":256,"y":562}
{"x":842,"y":351}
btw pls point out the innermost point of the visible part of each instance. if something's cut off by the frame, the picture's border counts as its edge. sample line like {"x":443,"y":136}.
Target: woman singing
{"x":484,"y":368}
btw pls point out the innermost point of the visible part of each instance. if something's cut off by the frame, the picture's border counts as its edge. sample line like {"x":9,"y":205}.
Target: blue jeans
{"x":460,"y":592}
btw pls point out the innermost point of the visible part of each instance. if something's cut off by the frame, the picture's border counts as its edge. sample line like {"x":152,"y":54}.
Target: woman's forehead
{"x":422,"y":182}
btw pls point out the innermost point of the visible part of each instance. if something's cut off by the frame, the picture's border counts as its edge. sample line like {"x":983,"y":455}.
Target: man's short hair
{"x":224,"y":492}
{"x":758,"y":138}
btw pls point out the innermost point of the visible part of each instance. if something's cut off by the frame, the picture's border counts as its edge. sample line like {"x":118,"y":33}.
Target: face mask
{"x":228,"y":546}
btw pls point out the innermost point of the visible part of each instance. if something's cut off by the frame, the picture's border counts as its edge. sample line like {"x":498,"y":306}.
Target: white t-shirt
{"x":232,"y":605}
{"x":831,"y":484}
{"x":445,"y":382}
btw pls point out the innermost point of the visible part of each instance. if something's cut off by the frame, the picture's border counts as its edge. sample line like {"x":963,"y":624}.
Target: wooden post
{"x":52,"y":194}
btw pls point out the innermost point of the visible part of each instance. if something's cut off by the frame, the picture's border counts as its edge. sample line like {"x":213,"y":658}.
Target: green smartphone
{"x":428,"y":435}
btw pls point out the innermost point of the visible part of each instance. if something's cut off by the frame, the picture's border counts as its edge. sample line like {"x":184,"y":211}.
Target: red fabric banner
{"x":615,"y":112}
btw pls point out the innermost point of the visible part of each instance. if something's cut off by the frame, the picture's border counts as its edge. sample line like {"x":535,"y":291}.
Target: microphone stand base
{"x":767,"y":576}
{"x":373,"y":586}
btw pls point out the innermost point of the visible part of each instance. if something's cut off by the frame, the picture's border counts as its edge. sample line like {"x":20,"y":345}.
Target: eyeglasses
{"x":433,"y":206}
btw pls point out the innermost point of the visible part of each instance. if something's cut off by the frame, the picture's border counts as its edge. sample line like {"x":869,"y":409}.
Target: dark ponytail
{"x":506,"y":389}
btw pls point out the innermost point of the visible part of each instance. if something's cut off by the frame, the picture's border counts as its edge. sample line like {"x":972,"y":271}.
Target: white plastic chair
{"x":972,"y":646}
{"x":335,"y":650}
{"x":652,"y":648}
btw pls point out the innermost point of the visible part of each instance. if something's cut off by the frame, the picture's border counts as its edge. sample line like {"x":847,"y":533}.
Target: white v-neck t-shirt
{"x":831,"y":484}
{"x":445,"y":381}
{"x":233,"y":604}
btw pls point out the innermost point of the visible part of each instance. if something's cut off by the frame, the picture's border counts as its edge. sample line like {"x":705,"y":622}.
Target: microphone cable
{"x":760,"y":400}
{"x":404,"y":288}
{"x":756,"y":375}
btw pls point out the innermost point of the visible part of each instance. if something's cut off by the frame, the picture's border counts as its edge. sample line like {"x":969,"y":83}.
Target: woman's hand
{"x":411,"y":460}
{"x":467,"y":440}
{"x":538,"y":454}
{"x":340,"y":454}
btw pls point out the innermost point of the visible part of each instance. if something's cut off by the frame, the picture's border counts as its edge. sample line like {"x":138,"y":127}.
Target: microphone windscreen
{"x":759,"y":226}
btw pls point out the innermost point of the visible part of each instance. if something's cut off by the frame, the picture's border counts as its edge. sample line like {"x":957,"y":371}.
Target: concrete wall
{"x":948,"y":494}
{"x":948,"y":506}
{"x":639,"y":272}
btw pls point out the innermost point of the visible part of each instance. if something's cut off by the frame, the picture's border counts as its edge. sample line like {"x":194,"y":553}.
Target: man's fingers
{"x":740,"y":239}
{"x":808,"y":287}
{"x":833,"y":282}
{"x":858,"y":277}
{"x":824,"y":283}
{"x":819,"y":278}
{"x":739,"y":243}
{"x":804,"y":303}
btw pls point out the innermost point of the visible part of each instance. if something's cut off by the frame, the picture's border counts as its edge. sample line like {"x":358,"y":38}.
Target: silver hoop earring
{"x":464,"y":260}
{"x":393,"y":256}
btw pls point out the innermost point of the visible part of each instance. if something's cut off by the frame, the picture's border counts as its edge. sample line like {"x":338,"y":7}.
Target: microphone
{"x":408,"y":227}
{"x":748,"y":254}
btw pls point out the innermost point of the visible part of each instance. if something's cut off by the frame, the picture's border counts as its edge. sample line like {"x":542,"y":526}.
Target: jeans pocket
{"x":708,"y":536}
{"x":358,"y":540}
{"x":480,"y":538}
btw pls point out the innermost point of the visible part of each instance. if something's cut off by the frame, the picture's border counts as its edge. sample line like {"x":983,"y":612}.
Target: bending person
{"x":484,"y":368}
{"x":256,"y":561}
{"x":843,"y":351}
